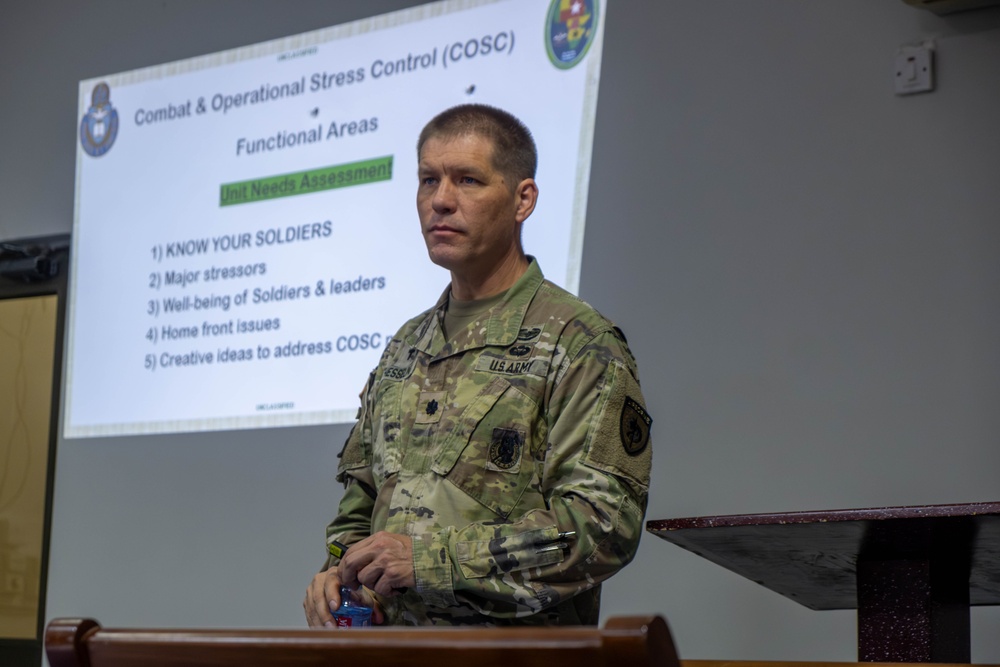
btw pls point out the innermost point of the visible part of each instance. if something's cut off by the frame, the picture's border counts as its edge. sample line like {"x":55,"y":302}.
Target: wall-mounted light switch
{"x":914,"y":69}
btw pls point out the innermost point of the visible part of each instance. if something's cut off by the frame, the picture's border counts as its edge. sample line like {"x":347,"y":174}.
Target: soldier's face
{"x":470,"y":215}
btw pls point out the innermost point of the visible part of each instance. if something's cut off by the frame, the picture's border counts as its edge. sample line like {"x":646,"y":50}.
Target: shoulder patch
{"x":634,"y":426}
{"x":618,"y":441}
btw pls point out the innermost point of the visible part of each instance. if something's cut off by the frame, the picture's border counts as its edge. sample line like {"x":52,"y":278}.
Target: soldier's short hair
{"x":514,"y":152}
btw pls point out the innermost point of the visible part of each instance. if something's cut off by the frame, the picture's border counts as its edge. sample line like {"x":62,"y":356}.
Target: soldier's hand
{"x":322,"y":596}
{"x":383,"y":562}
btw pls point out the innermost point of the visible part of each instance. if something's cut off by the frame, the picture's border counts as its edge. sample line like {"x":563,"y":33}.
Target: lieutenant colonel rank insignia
{"x":634,"y":427}
{"x":505,"y":448}
{"x":430,"y":407}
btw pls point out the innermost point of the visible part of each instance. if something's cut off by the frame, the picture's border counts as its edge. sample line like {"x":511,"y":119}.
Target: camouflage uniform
{"x":489,"y":449}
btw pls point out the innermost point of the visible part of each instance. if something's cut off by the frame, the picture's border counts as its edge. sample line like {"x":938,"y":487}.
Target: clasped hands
{"x":382,"y":562}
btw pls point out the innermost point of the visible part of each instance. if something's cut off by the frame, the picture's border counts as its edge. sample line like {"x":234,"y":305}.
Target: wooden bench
{"x":634,"y":641}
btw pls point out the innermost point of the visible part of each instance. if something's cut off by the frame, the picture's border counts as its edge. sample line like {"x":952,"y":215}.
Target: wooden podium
{"x":911,"y":572}
{"x":636,"y":641}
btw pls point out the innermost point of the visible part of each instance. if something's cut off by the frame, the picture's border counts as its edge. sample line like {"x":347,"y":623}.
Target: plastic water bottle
{"x":351,"y":613}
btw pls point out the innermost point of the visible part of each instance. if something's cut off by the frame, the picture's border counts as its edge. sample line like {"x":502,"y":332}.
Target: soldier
{"x":499,"y":468}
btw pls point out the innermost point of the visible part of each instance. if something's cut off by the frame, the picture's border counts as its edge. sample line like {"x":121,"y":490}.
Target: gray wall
{"x":806,"y":266}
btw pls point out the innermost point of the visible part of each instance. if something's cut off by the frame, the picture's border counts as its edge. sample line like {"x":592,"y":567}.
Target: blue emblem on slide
{"x":570,"y":28}
{"x":99,"y":126}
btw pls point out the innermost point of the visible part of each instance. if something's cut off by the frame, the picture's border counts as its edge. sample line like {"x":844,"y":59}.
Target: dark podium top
{"x":911,"y":572}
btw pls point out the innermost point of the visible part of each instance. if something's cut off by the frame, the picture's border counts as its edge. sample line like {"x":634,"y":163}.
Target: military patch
{"x":634,"y":426}
{"x":499,"y":365}
{"x":505,"y":448}
{"x":528,"y":334}
{"x":519,"y":350}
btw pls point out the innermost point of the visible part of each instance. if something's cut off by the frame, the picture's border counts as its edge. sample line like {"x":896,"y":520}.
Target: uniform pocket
{"x":387,"y":454}
{"x":488,"y":454}
{"x":484,"y":558}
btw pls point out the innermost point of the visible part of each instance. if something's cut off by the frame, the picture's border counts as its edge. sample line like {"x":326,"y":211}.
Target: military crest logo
{"x":634,"y":427}
{"x":99,"y":126}
{"x":570,"y":29}
{"x":505,"y":448}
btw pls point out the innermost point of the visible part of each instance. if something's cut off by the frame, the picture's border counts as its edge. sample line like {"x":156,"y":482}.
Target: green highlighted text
{"x":306,"y":182}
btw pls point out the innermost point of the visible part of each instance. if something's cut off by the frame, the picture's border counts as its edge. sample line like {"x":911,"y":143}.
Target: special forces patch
{"x":505,"y":448}
{"x":634,"y":427}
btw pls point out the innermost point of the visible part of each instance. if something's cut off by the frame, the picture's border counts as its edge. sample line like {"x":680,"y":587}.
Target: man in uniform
{"x":499,"y":468}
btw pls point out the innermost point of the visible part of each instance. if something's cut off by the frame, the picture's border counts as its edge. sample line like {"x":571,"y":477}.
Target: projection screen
{"x":245,"y":239}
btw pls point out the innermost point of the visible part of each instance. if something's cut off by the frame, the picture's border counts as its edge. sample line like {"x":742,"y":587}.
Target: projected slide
{"x":245,"y":239}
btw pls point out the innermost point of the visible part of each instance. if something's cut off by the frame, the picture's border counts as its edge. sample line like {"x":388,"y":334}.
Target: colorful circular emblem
{"x":99,"y":126}
{"x":570,"y":28}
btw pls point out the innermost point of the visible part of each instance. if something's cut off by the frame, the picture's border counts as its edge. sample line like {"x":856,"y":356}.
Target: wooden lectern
{"x":634,"y":641}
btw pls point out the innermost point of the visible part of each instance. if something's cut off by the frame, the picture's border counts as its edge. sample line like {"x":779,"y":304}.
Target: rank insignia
{"x":505,"y":448}
{"x":634,"y":427}
{"x":430,"y":407}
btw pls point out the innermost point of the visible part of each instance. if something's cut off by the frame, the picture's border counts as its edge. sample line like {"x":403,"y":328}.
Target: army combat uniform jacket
{"x":517,"y":457}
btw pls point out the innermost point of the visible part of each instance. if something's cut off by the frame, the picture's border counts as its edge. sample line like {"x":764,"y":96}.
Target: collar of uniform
{"x":502,"y":327}
{"x":507,"y":316}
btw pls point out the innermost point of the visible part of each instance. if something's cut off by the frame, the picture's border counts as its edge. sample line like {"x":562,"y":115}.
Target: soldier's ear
{"x":525,"y":197}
